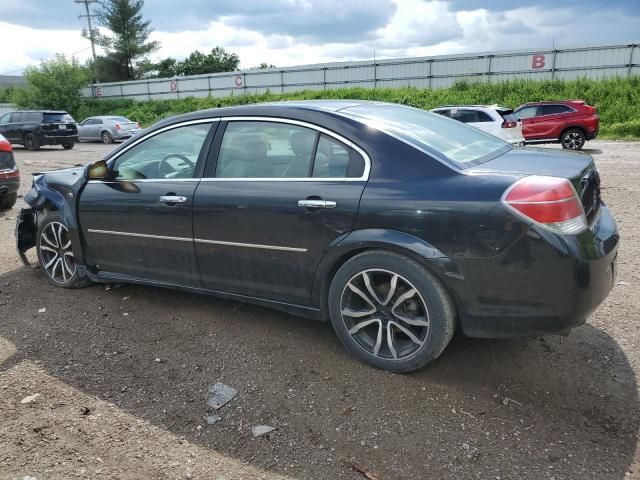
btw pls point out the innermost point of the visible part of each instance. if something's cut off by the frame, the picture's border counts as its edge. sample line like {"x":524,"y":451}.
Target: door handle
{"x":316,"y":204}
{"x":172,"y":199}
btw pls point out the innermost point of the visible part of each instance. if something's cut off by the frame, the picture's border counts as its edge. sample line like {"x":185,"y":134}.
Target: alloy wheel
{"x":384,"y":314}
{"x":56,"y":254}
{"x":106,"y":137}
{"x":573,"y":141}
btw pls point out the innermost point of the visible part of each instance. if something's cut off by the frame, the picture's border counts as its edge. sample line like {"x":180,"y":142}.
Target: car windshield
{"x":57,"y":117}
{"x":461,"y":145}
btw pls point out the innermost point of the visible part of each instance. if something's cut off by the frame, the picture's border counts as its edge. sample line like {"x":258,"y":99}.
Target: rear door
{"x":528,"y":116}
{"x":139,"y":222}
{"x":551,"y":120}
{"x":5,"y":125}
{"x":12,"y":128}
{"x":279,"y":193}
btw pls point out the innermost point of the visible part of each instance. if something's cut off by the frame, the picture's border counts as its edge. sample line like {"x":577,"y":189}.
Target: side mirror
{"x":98,"y":170}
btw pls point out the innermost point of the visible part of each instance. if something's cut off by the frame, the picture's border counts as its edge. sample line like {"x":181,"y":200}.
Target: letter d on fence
{"x":537,"y":61}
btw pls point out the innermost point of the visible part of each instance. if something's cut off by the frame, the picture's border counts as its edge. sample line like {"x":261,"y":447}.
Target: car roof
{"x":489,"y":107}
{"x":551,"y":102}
{"x":40,"y":111}
{"x":270,"y":108}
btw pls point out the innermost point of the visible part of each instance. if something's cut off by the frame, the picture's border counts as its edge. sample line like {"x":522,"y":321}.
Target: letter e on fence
{"x":537,"y":61}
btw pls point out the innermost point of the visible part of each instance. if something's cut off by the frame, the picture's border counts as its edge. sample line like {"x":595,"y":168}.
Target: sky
{"x":297,"y":32}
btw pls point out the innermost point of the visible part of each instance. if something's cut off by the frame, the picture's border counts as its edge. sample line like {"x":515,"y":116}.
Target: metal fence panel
{"x":422,"y":72}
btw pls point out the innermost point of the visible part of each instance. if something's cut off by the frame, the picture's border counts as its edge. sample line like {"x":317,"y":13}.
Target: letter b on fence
{"x":537,"y":61}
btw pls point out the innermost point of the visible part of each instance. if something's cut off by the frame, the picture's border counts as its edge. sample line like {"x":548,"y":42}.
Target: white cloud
{"x":414,"y":28}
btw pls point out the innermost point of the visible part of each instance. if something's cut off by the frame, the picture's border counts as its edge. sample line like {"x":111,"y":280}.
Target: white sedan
{"x":493,"y":119}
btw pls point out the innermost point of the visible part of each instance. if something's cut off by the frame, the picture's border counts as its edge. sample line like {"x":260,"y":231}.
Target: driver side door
{"x":138,"y":221}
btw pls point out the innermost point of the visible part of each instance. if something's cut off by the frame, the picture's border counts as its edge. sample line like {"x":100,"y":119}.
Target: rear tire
{"x":55,"y":253}
{"x":390,"y":311}
{"x":31,"y":142}
{"x":573,"y":139}
{"x":8,"y":201}
{"x":68,"y":146}
{"x":106,"y":137}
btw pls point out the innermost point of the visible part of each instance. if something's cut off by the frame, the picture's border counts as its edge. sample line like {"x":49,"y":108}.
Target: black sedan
{"x":397,"y":225}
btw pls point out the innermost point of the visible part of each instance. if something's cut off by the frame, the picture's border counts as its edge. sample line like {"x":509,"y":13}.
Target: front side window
{"x":5,"y":118}
{"x":462,"y":145}
{"x":167,"y":155}
{"x":254,"y":149}
{"x":16,"y":117}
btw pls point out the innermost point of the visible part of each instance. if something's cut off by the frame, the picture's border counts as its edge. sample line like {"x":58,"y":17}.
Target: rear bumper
{"x":57,"y":139}
{"x":542,"y":284}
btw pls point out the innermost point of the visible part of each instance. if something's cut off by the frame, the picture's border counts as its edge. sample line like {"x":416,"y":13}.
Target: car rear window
{"x":57,"y":117}
{"x":120,"y":119}
{"x":450,"y":140}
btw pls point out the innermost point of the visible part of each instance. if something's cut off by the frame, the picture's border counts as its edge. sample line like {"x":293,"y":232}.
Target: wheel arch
{"x":571,"y":127}
{"x":360,"y":241}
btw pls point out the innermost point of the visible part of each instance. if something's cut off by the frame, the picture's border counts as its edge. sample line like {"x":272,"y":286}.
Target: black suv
{"x":34,"y":128}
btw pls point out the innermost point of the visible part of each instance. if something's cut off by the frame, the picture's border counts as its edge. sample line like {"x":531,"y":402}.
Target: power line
{"x":18,"y":70}
{"x":89,"y":16}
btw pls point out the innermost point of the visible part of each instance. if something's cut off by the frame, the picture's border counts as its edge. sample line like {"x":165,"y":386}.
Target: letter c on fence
{"x":537,"y":61}
{"x":174,"y":85}
{"x":238,"y":81}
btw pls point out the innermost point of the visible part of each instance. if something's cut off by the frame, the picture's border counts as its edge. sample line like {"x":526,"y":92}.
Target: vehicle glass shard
{"x":220,"y":394}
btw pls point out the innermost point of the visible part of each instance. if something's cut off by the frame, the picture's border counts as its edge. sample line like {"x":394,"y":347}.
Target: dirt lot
{"x":122,"y":374}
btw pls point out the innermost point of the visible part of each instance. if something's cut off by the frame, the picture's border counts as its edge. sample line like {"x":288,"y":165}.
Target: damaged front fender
{"x":51,"y":191}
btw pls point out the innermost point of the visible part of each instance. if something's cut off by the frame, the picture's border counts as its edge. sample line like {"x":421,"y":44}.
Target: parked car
{"x":570,"y":123}
{"x":35,"y":128}
{"x":395,"y":224}
{"x":107,"y":129}
{"x":9,"y":175}
{"x":493,"y":119}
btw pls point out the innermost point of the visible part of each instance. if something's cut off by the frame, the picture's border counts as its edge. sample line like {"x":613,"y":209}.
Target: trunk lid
{"x":578,"y":168}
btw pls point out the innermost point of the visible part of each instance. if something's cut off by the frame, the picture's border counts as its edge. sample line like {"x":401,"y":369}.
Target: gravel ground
{"x":121,"y":378}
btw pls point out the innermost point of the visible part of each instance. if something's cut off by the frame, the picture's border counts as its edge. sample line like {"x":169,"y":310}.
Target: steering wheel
{"x":165,"y":168}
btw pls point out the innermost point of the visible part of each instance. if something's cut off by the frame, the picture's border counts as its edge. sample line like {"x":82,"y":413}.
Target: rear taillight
{"x":5,"y":146}
{"x":507,"y":124}
{"x":550,"y":202}
{"x":117,"y":126}
{"x":14,"y":173}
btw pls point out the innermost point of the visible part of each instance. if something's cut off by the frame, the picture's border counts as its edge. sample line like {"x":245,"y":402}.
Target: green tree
{"x":128,"y":45}
{"x":263,"y":66}
{"x":55,"y":84}
{"x":219,"y":60}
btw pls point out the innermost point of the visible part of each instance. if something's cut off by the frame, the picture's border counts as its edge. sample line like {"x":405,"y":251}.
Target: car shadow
{"x":515,"y":408}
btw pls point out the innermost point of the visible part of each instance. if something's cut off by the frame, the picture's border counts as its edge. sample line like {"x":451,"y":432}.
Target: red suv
{"x":570,"y":122}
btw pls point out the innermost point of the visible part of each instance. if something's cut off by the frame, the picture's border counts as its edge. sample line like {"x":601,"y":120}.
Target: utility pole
{"x":89,"y":16}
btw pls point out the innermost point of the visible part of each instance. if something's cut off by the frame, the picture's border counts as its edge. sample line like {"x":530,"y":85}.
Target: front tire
{"x":390,"y":311}
{"x":573,"y":139}
{"x":55,"y":253}
{"x":106,"y":138}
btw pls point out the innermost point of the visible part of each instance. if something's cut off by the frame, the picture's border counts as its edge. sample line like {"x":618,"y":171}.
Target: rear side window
{"x":265,"y":150}
{"x":555,"y":109}
{"x":257,"y":149}
{"x":16,"y":117}
{"x":470,"y":116}
{"x":444,"y":113}
{"x":57,"y":117}
{"x":31,"y":117}
{"x":334,"y":159}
